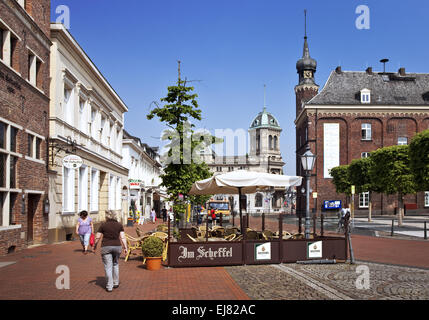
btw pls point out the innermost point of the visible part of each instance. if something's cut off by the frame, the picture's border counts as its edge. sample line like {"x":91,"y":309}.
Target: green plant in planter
{"x":152,"y":247}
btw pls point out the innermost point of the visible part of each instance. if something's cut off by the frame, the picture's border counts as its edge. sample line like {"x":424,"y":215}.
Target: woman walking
{"x":153,"y":215}
{"x":84,"y":228}
{"x":113,"y":241}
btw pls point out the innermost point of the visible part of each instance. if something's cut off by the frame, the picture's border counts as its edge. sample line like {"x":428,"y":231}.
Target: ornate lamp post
{"x":307,"y":161}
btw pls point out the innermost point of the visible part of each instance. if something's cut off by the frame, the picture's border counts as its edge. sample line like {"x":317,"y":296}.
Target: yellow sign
{"x":353,"y":189}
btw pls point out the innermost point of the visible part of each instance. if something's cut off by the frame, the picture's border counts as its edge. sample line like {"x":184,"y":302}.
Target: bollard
{"x":391,"y":233}
{"x":426,"y":232}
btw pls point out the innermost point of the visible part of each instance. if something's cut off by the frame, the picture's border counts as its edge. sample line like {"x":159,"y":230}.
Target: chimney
{"x":401,"y":71}
{"x":338,"y":70}
{"x":369,"y":70}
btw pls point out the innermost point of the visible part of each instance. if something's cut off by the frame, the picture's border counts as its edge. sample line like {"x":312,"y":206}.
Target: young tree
{"x":360,"y":177}
{"x":341,"y":179}
{"x":182,"y":166}
{"x":419,"y":160}
{"x":391,"y":174}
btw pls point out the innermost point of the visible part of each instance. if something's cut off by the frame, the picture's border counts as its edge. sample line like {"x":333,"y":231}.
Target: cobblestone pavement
{"x":333,"y":282}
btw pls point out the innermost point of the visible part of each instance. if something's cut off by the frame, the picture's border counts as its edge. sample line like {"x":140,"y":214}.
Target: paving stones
{"x":337,"y":281}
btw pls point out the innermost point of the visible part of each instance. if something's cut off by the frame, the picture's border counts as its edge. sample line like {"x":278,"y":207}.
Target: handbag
{"x":92,"y":240}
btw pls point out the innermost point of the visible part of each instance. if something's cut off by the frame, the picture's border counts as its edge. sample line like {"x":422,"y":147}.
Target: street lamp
{"x":307,"y":161}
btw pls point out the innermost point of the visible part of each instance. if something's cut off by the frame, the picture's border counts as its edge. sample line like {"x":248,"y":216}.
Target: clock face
{"x":307,"y":74}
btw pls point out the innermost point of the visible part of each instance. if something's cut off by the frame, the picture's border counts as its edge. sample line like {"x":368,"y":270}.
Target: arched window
{"x":275,"y":142}
{"x":270,"y":142}
{"x":258,"y":143}
{"x":258,"y":200}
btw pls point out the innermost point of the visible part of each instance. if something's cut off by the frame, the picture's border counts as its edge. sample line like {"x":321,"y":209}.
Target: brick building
{"x":354,"y":114}
{"x":24,"y":121}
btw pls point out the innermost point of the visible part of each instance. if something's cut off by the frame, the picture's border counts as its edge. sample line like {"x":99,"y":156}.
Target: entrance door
{"x":33,"y":201}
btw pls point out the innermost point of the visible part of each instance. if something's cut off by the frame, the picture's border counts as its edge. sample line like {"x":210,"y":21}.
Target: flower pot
{"x":154,"y":263}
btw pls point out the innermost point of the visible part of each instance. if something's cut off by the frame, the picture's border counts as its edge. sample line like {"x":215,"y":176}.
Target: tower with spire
{"x":306,"y":68}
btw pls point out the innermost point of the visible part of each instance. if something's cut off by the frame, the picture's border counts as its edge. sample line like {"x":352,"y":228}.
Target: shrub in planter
{"x":152,"y":247}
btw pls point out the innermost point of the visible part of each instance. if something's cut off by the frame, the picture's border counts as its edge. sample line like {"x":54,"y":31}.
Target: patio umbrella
{"x":242,"y":182}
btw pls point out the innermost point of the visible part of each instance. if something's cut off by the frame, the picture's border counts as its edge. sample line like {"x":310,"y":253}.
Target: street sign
{"x":314,"y":195}
{"x":72,"y":161}
{"x":353,"y":189}
{"x":332,"y":204}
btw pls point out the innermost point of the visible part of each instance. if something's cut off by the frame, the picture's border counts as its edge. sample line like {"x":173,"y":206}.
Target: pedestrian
{"x":213,"y":214}
{"x":84,"y":229}
{"x":153,"y":215}
{"x":343,"y":213}
{"x":141,"y":218}
{"x":164,"y":215}
{"x":112,"y":244}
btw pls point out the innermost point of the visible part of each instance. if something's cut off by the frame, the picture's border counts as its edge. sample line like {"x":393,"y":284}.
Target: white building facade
{"x":144,"y":190}
{"x":86,"y":119}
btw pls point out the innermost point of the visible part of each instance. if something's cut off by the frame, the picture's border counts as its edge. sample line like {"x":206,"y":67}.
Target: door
{"x":33,"y":201}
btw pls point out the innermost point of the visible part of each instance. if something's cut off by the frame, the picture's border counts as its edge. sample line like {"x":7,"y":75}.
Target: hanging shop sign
{"x":263,"y":251}
{"x":314,"y":250}
{"x":72,"y":161}
{"x":135,"y":184}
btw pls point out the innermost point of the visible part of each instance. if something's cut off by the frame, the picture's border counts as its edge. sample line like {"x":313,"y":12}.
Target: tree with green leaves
{"x":419,"y":160}
{"x":341,"y":179}
{"x":182,"y":164}
{"x":359,"y":175}
{"x":391,"y":173}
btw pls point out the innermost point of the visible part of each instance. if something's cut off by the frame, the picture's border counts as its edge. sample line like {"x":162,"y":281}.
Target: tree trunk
{"x":370,"y":211}
{"x":400,"y":208}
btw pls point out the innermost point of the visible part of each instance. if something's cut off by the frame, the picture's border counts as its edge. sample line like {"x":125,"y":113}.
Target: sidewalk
{"x":33,"y":276}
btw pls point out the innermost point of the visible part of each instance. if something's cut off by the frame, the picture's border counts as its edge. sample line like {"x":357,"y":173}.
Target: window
{"x":402,"y":141}
{"x":30,"y":145}
{"x":258,"y":200}
{"x":12,"y":172}
{"x":365,"y":96}
{"x":95,"y":176}
{"x":31,"y":69}
{"x":102,"y":124}
{"x":275,"y":142}
{"x":366,"y":131}
{"x":219,"y":169}
{"x":230,"y":168}
{"x":112,"y":189}
{"x":92,"y":123}
{"x":13,"y":137}
{"x":13,"y":55}
{"x":38,"y":144}
{"x":2,"y":35}
{"x":68,"y":105}
{"x":83,"y":188}
{"x":365,"y":154}
{"x":427,"y":199}
{"x":68,"y":189}
{"x":82,"y":115}
{"x":3,"y":127}
{"x":3,"y":170}
{"x":270,"y":142}
{"x":364,"y":200}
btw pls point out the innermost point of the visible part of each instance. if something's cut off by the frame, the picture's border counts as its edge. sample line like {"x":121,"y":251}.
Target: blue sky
{"x":235,"y":47}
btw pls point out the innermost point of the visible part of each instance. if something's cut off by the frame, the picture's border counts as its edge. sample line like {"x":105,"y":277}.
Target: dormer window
{"x":365,"y":96}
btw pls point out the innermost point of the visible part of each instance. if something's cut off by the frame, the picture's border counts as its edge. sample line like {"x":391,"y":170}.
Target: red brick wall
{"x":27,"y":106}
{"x":9,"y":238}
{"x":386,"y":128}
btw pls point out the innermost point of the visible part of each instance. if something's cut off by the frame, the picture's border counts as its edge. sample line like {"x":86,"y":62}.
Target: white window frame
{"x":68,"y":190}
{"x":401,"y":141}
{"x":367,"y":127}
{"x":364,"y":200}
{"x":94,"y":190}
{"x":365,"y":96}
{"x":68,"y":105}
{"x":83,"y":115}
{"x":83,"y":188}
{"x":365,"y":155}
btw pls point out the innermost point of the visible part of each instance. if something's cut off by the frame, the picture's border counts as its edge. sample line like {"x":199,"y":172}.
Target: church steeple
{"x":306,"y":66}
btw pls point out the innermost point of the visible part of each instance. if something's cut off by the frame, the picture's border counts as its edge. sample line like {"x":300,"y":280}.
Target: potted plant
{"x":152,"y":248}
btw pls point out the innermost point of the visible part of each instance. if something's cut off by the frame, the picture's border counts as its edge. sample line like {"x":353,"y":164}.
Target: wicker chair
{"x":252,"y":235}
{"x":230,"y":237}
{"x":133,"y":244}
{"x":267,"y":235}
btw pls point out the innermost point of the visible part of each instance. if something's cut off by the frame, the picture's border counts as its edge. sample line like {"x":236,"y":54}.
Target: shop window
{"x":258,"y":200}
